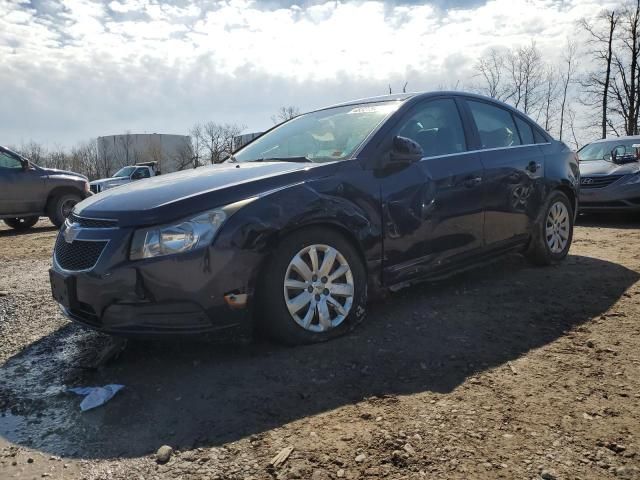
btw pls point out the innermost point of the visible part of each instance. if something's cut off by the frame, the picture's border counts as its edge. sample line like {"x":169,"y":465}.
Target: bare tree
{"x":85,"y":156}
{"x":624,"y":86}
{"x":33,"y":151}
{"x":218,"y":140}
{"x":490,"y":68}
{"x":286,"y":113}
{"x":567,"y":79}
{"x":197,"y":144}
{"x":185,"y":158}
{"x":549,"y":98}
{"x":525,"y":68}
{"x":58,"y":158}
{"x":597,"y":83}
{"x":571,"y":117}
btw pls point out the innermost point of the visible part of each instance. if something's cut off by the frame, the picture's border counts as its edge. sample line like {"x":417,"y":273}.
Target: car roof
{"x":416,"y":96}
{"x":613,"y":139}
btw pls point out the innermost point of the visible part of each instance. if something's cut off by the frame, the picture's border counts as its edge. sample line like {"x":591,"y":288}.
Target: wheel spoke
{"x":341,"y":289}
{"x":563,"y":233}
{"x":301,"y":267}
{"x":337,"y":305}
{"x":323,"y":315}
{"x":306,"y":321}
{"x":289,"y":283}
{"x":313,"y":255}
{"x":328,"y":261}
{"x":340,"y":271}
{"x":295,"y":304}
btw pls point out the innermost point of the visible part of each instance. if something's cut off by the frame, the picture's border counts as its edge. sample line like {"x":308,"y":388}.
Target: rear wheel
{"x":22,"y":223}
{"x":553,"y":232}
{"x":314,"y":288}
{"x":60,"y":207}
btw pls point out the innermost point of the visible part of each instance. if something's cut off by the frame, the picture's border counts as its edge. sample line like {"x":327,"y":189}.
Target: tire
{"x":60,"y":206}
{"x":22,"y":223}
{"x":289,"y":328}
{"x":549,"y":246}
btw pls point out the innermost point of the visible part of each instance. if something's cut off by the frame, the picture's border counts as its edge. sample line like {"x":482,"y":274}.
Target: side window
{"x":495,"y":125}
{"x":437,"y":127}
{"x":141,"y":173}
{"x":7,"y":161}
{"x":540,"y":138}
{"x":526,"y":132}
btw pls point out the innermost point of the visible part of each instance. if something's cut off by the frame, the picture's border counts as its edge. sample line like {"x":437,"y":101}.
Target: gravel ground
{"x":507,"y":371}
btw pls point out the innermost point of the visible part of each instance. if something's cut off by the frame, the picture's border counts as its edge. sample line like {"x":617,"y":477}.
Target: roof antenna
{"x":389,"y":89}
{"x":404,"y":89}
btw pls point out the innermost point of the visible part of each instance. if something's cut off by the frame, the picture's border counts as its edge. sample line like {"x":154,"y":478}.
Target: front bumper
{"x":612,"y":197}
{"x":181,"y":294}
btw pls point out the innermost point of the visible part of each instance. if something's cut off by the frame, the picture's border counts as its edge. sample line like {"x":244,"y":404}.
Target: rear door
{"x":514,"y":172}
{"x":432,"y":209}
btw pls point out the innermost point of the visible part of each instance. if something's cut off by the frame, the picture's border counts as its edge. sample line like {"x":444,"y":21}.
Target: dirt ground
{"x":508,"y":371}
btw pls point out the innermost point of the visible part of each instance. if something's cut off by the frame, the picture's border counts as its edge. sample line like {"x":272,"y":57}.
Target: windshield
{"x":326,"y":135}
{"x":124,"y":172}
{"x":602,"y":150}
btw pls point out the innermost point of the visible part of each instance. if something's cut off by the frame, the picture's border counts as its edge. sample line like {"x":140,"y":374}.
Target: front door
{"x":432,"y":209}
{"x":12,"y":198}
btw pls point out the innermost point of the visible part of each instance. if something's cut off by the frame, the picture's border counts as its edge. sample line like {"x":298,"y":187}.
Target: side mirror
{"x":405,"y":150}
{"x":619,"y":151}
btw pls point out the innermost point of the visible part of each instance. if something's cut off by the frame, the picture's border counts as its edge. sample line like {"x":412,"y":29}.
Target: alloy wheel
{"x":557,"y":227}
{"x":319,"y":288}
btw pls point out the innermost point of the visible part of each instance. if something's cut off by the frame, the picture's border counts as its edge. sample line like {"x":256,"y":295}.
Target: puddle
{"x":35,"y":408}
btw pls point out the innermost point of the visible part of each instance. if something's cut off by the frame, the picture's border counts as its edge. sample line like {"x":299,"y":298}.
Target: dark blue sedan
{"x":297,"y":228}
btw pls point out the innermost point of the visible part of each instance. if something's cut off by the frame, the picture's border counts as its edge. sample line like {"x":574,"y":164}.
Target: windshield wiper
{"x":284,"y":159}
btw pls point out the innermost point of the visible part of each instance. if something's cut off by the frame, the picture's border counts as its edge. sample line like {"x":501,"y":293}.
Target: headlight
{"x":180,"y":237}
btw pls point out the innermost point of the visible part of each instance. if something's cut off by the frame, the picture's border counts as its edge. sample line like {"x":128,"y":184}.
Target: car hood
{"x":602,"y":167}
{"x":169,"y":197}
{"x":110,"y":181}
{"x":54,"y":172}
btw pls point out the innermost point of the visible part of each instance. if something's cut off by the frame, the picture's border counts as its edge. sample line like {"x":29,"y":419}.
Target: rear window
{"x":495,"y":125}
{"x":539,"y":137}
{"x":526,"y":132}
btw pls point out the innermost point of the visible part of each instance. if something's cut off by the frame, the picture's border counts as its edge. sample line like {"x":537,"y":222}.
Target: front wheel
{"x":22,"y":223}
{"x":60,"y":207}
{"x":314,"y":288}
{"x":553,"y":232}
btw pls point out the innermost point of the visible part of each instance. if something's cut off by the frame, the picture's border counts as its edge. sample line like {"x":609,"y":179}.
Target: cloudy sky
{"x":75,"y":69}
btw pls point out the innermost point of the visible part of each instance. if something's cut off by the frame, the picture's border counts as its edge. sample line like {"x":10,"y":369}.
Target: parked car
{"x":125,"y":175}
{"x":28,"y":191}
{"x":297,"y":227}
{"x":610,"y":175}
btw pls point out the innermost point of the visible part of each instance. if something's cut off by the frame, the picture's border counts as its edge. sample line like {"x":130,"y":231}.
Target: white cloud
{"x":80,"y":68}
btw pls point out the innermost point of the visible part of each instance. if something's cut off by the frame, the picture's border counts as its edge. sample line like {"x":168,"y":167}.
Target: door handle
{"x":472,"y":181}
{"x":533,"y":167}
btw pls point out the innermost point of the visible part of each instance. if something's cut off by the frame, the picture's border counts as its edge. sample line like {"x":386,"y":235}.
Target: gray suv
{"x":28,"y":191}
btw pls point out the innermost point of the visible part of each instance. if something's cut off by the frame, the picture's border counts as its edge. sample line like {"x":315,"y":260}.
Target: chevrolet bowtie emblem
{"x":71,"y":232}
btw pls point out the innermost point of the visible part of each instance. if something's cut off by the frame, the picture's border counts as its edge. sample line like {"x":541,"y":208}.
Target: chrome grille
{"x":77,"y":255}
{"x":598,"y":181}
{"x":92,"y":222}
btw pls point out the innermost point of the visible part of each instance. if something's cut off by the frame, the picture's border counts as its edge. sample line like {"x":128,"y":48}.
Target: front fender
{"x":257,"y":228}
